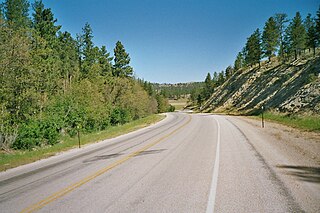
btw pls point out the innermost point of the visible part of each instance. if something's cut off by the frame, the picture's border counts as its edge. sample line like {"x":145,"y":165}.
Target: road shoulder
{"x":292,"y":154}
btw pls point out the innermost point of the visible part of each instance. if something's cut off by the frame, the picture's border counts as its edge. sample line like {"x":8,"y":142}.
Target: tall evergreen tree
{"x":215,"y":79}
{"x":311,"y":39}
{"x":44,"y":22}
{"x":281,"y":20}
{"x":105,"y":61}
{"x":221,"y":78}
{"x":253,"y":48}
{"x":238,"y":62}
{"x":17,"y":13}
{"x":86,"y":50}
{"x":121,"y":62}
{"x":318,"y":25}
{"x":270,"y":38}
{"x":87,"y":43}
{"x":69,"y":59}
{"x":296,"y":35}
{"x":208,"y":87}
{"x":229,"y":72}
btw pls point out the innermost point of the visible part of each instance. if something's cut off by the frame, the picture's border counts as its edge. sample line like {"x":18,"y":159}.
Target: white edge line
{"x":213,"y":189}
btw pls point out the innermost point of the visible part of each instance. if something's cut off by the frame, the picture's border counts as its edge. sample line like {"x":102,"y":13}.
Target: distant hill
{"x":285,"y":87}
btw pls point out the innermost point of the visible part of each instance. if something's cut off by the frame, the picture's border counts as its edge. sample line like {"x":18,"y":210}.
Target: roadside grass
{"x":307,"y":123}
{"x":178,"y":104}
{"x":17,"y":158}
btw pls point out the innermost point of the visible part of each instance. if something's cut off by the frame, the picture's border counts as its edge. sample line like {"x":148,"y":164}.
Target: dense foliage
{"x":53,"y":84}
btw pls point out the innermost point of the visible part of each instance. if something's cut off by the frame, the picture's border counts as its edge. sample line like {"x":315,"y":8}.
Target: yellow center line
{"x":72,"y":187}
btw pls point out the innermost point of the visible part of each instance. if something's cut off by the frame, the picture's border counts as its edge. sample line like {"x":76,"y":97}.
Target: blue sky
{"x":174,"y":40}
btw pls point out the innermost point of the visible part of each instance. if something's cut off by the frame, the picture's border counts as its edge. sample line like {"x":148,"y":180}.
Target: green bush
{"x":171,"y":108}
{"x":37,"y":133}
{"x":29,"y":136}
{"x":120,"y":116}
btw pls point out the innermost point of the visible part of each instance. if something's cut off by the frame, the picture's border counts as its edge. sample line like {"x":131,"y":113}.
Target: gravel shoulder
{"x":293,"y":155}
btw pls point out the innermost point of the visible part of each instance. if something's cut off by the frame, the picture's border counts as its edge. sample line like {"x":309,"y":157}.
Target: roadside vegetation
{"x":20,"y":157}
{"x":53,"y":85}
{"x":303,"y":122}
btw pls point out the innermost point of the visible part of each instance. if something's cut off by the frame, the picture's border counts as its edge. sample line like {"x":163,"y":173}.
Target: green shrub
{"x":29,"y":135}
{"x":119,"y":116}
{"x":37,"y":133}
{"x":171,"y":108}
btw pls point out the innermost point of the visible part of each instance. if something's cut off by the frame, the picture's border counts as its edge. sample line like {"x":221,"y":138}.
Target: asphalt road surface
{"x":185,"y":163}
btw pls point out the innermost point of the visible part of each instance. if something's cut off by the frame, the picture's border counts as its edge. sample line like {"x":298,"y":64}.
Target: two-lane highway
{"x":185,"y":163}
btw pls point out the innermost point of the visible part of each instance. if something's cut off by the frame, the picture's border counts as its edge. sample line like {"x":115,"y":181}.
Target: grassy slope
{"x":17,"y":158}
{"x":308,"y":123}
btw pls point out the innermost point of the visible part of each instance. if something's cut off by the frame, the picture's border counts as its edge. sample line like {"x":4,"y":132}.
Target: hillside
{"x":178,"y":90}
{"x":289,"y":87}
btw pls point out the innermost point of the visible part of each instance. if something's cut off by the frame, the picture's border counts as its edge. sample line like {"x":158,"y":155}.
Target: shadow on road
{"x":303,"y":173}
{"x":149,"y":152}
{"x":102,"y":157}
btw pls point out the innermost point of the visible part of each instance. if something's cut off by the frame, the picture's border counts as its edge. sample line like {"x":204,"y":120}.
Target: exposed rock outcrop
{"x":290,"y":87}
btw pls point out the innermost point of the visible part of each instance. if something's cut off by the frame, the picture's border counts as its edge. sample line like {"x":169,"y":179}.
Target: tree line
{"x":53,"y":84}
{"x":281,"y":38}
{"x":178,"y":90}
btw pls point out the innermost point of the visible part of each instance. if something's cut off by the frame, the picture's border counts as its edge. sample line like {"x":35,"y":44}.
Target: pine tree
{"x":221,"y":78}
{"x":281,"y":20}
{"x":238,"y":62}
{"x":86,"y":50}
{"x":105,"y":61}
{"x":69,"y":59}
{"x":270,"y":38}
{"x":229,"y":72}
{"x":311,"y":38}
{"x":296,"y":35}
{"x":45,"y":51}
{"x":253,"y":49}
{"x":318,"y":26}
{"x":17,"y":13}
{"x":121,"y":62}
{"x":208,"y":88}
{"x":215,"y":79}
{"x":87,"y":43}
{"x":44,"y":22}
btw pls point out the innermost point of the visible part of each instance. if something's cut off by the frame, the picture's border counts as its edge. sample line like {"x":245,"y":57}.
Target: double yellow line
{"x":72,"y":187}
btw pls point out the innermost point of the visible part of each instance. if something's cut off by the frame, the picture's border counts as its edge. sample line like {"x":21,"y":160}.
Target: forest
{"x":54,"y":84}
{"x":281,"y":40}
